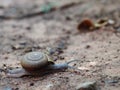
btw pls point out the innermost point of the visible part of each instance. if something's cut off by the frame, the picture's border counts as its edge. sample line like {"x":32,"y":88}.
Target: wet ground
{"x":25,"y":28}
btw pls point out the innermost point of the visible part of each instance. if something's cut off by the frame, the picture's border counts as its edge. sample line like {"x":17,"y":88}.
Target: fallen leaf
{"x":89,"y":25}
{"x":85,"y":24}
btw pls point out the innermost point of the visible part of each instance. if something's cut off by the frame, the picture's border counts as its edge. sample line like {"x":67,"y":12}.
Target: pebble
{"x":87,"y":86}
{"x":111,"y":22}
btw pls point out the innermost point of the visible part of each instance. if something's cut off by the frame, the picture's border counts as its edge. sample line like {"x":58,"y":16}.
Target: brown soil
{"x":98,"y":51}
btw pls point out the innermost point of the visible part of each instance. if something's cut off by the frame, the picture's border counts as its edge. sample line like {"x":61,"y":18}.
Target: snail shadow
{"x":43,"y":74}
{"x":48,"y":73}
{"x":19,"y":73}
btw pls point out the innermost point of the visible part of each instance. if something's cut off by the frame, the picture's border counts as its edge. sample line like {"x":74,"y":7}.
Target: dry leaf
{"x":89,"y":25}
{"x":85,"y":24}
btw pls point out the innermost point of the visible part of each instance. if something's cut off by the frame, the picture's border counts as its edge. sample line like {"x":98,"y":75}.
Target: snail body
{"x":37,"y":63}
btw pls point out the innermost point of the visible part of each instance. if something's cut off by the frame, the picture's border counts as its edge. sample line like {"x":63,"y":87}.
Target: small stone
{"x":87,"y":86}
{"x":23,"y":42}
{"x":111,"y":22}
{"x":16,"y":89}
{"x":68,"y":18}
{"x":16,"y":47}
{"x":28,"y":27}
{"x":87,"y":46}
{"x":31,"y":84}
{"x":61,"y":58}
{"x":50,"y":50}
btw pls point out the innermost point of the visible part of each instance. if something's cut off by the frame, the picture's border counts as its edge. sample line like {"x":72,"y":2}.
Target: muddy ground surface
{"x":98,"y":51}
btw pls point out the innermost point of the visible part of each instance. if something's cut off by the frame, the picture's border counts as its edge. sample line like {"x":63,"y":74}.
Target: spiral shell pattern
{"x":34,"y":60}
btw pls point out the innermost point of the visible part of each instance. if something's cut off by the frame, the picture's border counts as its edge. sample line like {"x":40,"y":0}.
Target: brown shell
{"x":34,"y":60}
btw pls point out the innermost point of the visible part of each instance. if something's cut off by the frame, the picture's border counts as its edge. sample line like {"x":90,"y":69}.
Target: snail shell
{"x":35,"y":60}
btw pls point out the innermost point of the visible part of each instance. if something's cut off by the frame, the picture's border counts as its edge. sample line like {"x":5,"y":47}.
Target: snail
{"x":37,"y":63}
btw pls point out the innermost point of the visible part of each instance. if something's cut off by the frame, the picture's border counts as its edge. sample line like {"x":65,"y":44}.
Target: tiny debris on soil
{"x":87,"y":86}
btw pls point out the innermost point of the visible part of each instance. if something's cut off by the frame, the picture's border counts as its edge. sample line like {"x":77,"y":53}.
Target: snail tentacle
{"x":72,"y":67}
{"x":71,"y":61}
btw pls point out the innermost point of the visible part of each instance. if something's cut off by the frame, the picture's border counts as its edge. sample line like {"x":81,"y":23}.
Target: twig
{"x":42,"y":12}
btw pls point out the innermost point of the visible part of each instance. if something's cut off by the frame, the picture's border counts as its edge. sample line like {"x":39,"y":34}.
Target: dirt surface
{"x":98,"y":51}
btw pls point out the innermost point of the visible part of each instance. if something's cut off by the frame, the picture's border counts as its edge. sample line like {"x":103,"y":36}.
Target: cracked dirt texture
{"x":98,"y":51}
